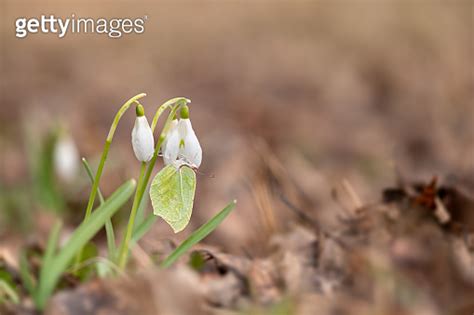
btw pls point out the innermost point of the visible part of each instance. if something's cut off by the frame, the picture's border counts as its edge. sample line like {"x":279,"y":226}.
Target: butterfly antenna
{"x":204,"y":174}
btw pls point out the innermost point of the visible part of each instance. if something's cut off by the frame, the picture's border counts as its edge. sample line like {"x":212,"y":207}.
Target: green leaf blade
{"x":9,"y":291}
{"x":198,"y":235}
{"x":27,"y":278}
{"x":143,"y":228}
{"x":78,"y":240}
{"x":51,"y":246}
{"x":109,"y":228}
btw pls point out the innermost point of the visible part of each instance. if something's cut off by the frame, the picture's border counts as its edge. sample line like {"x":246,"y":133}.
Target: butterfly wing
{"x":172,"y":195}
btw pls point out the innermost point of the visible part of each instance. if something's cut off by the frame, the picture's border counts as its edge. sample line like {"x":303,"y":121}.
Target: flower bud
{"x":66,"y":158}
{"x":142,"y":137}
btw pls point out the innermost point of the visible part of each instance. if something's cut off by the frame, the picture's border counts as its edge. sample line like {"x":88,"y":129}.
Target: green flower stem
{"x":95,"y":185}
{"x":103,"y":158}
{"x":105,"y":152}
{"x":143,"y":182}
{"x":165,"y":105}
{"x":109,"y":228}
{"x":123,"y":255}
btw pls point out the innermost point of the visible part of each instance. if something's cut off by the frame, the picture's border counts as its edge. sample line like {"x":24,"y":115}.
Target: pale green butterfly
{"x":172,"y":194}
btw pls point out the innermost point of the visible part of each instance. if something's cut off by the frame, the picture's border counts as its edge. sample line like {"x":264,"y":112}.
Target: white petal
{"x":191,"y":151}
{"x":170,"y":146}
{"x":142,"y":140}
{"x":66,"y":158}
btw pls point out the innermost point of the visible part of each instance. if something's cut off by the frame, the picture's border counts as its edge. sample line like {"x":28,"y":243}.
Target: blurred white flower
{"x":182,"y":145}
{"x":142,"y":137}
{"x":66,"y":158}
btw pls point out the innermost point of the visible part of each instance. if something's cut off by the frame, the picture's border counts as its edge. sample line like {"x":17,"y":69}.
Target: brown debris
{"x":150,"y":293}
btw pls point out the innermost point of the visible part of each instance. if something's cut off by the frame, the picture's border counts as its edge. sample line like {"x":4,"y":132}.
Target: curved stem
{"x":164,"y":106}
{"x":103,"y":158}
{"x":123,"y":255}
{"x":143,"y":181}
{"x":105,"y":151}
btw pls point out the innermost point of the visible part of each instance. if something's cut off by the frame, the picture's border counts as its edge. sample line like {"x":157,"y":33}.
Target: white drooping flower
{"x":66,"y":158}
{"x":189,"y":147}
{"x":171,"y":144}
{"x":142,"y":137}
{"x":181,"y":144}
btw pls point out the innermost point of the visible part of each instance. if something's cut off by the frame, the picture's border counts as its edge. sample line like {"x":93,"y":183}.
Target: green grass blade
{"x":9,"y":291}
{"x":109,"y":232}
{"x":91,"y":175}
{"x":44,"y":181}
{"x":79,"y":238}
{"x":51,"y":247}
{"x":143,"y":227}
{"x":198,"y":235}
{"x":27,"y":277}
{"x":109,"y":228}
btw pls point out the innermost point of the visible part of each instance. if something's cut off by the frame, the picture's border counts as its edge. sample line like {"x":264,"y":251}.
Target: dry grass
{"x":290,"y":99}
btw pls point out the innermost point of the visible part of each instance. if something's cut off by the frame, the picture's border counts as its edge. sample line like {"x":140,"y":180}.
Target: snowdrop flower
{"x":182,"y":145}
{"x":171,"y":143}
{"x":66,"y":158}
{"x":142,"y":137}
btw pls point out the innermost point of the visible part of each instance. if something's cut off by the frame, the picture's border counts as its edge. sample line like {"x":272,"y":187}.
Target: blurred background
{"x":289,"y":98}
{"x":325,"y":90}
